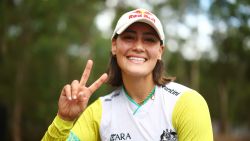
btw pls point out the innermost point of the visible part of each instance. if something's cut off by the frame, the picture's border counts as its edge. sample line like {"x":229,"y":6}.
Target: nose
{"x":138,"y":46}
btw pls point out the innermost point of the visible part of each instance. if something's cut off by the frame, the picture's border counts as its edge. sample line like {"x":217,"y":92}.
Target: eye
{"x":128,"y":37}
{"x":151,"y":39}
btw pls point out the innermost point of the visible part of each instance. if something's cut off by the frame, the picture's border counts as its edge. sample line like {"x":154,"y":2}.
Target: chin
{"x":138,"y":72}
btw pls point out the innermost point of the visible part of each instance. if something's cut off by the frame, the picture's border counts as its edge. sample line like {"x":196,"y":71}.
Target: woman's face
{"x":137,"y":50}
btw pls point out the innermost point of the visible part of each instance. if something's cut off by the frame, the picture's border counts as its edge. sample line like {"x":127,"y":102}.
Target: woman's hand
{"x":75,"y":96}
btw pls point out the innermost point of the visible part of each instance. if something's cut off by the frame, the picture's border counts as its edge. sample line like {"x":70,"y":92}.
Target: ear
{"x":113,"y":48}
{"x":161,"y":50}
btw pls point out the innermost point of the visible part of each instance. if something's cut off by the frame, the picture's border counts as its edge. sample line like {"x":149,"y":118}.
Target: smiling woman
{"x":146,"y":105}
{"x":137,"y":50}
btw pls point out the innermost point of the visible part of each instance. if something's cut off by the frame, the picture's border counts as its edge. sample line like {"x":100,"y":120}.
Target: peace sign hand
{"x":75,"y":96}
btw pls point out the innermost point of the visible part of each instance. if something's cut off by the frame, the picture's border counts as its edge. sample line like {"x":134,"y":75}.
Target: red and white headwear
{"x":139,"y":15}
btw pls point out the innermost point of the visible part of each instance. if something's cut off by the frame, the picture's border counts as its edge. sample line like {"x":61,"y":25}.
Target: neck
{"x":138,"y":88}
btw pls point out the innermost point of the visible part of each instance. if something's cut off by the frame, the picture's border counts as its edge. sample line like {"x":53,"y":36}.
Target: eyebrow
{"x":151,"y":33}
{"x":144,"y":33}
{"x":129,"y":31}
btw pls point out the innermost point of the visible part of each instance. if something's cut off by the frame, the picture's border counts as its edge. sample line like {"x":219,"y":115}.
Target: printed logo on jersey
{"x":120,"y":137}
{"x":172,"y":91}
{"x":168,"y":135}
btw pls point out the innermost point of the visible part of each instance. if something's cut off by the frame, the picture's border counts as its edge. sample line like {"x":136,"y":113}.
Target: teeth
{"x":136,"y":59}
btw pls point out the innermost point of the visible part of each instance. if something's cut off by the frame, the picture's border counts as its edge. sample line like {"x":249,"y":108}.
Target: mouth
{"x":137,"y":59}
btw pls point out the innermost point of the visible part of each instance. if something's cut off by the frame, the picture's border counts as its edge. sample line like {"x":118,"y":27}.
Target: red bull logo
{"x":142,"y":13}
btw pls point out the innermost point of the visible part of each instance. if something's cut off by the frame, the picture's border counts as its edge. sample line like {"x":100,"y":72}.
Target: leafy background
{"x":44,"y":44}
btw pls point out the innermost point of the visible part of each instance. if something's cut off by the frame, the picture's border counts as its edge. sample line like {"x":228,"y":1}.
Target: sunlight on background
{"x":108,"y":16}
{"x":195,"y":29}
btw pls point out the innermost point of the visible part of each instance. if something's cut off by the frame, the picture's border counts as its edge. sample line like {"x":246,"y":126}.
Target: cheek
{"x":154,"y":53}
{"x":122,"y":48}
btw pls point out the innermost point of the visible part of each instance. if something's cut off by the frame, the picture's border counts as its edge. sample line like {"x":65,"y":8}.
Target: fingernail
{"x":74,"y":97}
{"x":81,"y":93}
{"x":70,"y":98}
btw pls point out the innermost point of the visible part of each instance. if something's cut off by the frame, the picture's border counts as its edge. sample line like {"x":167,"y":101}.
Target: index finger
{"x":98,"y":83}
{"x":85,"y":75}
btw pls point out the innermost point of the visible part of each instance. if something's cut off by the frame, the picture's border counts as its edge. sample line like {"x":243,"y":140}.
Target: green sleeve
{"x":86,"y":128}
{"x":58,"y":130}
{"x":191,"y":118}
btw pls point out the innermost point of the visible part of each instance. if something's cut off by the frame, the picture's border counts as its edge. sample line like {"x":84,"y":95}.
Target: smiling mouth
{"x":137,"y":59}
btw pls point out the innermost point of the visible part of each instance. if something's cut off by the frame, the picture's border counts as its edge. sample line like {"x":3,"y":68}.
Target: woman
{"x":146,"y":106}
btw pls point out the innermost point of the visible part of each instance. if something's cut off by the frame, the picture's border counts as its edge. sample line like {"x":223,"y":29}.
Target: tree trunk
{"x":195,"y":75}
{"x":224,"y":121}
{"x":16,"y":127}
{"x":16,"y":132}
{"x":3,"y":47}
{"x":19,"y":90}
{"x":63,"y":64}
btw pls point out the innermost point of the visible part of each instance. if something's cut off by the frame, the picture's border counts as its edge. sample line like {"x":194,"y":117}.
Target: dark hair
{"x":115,"y":77}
